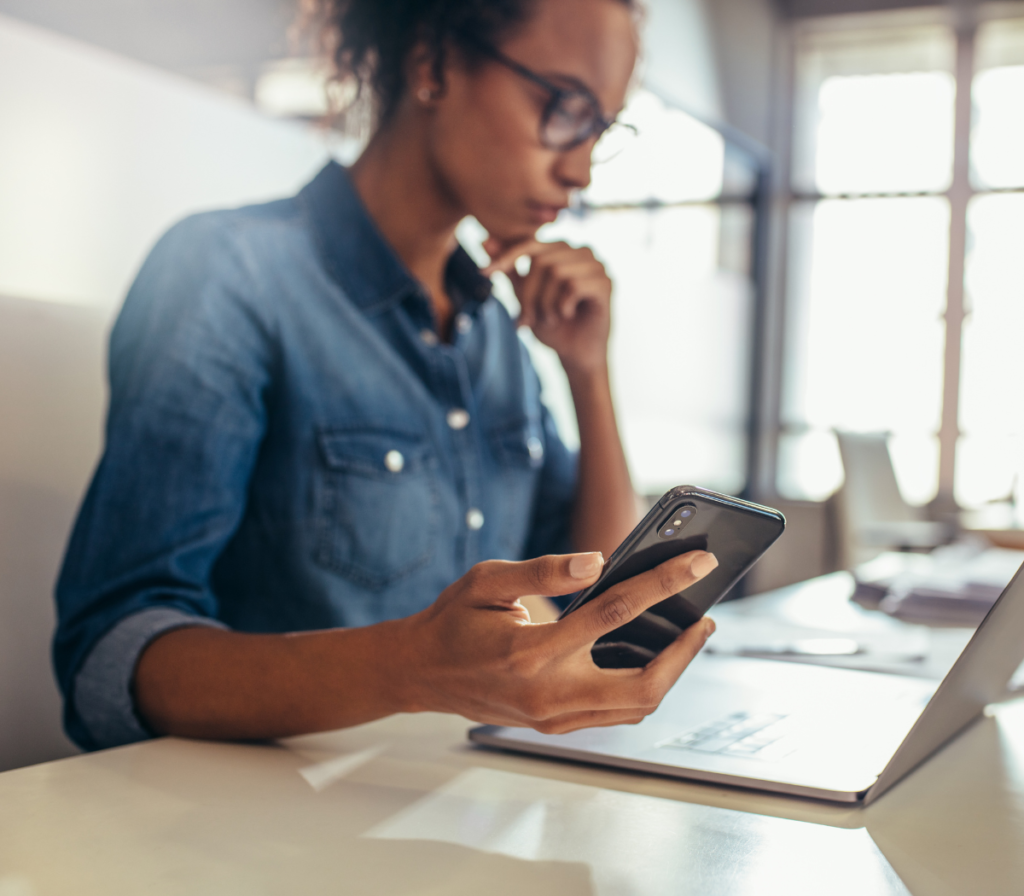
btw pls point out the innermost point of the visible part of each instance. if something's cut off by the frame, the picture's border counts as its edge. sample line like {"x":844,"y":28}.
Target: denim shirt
{"x":289,"y":447}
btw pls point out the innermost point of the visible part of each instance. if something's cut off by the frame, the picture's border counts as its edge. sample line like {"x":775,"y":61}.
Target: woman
{"x":326,"y":453}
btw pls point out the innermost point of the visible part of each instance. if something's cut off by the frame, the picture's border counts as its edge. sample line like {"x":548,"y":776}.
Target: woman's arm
{"x":605,"y":511}
{"x":473,"y":652}
{"x":566,"y":301}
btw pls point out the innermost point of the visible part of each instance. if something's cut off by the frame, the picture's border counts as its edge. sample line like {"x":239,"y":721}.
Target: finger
{"x":507,"y":256}
{"x":574,"y":721}
{"x":570,"y":721}
{"x":642,"y":690}
{"x":542,"y":292}
{"x":565,"y":280}
{"x":629,"y":599}
{"x":535,"y":297}
{"x":668,"y":665}
{"x":593,"y":290}
{"x":557,"y":281}
{"x":504,"y":582}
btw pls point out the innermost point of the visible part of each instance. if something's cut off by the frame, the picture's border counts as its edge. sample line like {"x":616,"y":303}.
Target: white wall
{"x":715,"y":59}
{"x":98,"y":155}
{"x":679,"y":61}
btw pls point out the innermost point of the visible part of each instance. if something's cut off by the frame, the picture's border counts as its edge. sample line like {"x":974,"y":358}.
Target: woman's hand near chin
{"x":565,"y":299}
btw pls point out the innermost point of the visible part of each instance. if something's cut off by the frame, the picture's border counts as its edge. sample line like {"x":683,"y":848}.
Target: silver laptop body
{"x":804,"y":730}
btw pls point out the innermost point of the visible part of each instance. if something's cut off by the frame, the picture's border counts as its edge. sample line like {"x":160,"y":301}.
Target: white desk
{"x":431,"y":815}
{"x":406,"y":805}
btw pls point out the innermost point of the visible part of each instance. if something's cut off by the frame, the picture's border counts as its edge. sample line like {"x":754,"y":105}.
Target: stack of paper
{"x":953,"y":585}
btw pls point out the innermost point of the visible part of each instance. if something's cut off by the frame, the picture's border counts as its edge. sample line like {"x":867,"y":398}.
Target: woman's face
{"x":483,"y":138}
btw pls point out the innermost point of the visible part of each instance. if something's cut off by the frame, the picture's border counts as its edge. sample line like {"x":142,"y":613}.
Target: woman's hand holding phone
{"x":476,"y":653}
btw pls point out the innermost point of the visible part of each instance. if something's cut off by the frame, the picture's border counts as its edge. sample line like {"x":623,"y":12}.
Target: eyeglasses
{"x":571,"y":116}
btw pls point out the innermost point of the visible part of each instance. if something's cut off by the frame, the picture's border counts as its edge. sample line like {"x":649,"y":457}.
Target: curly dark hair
{"x":370,"y":40}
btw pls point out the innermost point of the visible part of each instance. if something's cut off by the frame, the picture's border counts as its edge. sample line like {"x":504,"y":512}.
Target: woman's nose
{"x":572,"y":167}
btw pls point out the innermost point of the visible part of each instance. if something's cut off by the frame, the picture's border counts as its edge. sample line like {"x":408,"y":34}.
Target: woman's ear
{"x":425,"y":81}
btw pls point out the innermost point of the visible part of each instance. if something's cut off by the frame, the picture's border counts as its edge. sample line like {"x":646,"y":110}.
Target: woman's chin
{"x":510,"y":233}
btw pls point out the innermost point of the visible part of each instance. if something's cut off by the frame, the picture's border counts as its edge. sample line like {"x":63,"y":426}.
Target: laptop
{"x":812,"y":731}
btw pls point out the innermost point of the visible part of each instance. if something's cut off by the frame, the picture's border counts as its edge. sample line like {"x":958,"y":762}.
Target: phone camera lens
{"x":668,"y":533}
{"x":686,"y":513}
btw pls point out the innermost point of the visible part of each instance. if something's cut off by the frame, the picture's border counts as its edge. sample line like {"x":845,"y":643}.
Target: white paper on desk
{"x":955,"y":587}
{"x":883,"y":650}
{"x":821,"y":609}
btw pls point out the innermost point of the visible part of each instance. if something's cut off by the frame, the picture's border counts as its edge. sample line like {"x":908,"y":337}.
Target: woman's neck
{"x":410,"y":207}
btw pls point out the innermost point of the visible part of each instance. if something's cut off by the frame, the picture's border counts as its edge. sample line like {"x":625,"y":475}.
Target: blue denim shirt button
{"x":429,"y":337}
{"x":463,"y":323}
{"x":475,"y":519}
{"x":458,"y":418}
{"x":536,"y":449}
{"x":394,"y":461}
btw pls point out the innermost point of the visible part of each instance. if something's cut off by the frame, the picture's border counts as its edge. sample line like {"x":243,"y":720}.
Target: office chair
{"x":871,"y":514}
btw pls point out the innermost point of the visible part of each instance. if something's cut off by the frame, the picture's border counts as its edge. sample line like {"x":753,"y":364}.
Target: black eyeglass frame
{"x":557,"y":94}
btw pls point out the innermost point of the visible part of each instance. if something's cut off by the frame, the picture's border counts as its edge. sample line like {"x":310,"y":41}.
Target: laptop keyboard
{"x":763,"y":735}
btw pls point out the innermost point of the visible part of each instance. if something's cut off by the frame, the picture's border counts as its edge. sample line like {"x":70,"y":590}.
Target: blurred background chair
{"x":52,"y":398}
{"x":871,"y":513}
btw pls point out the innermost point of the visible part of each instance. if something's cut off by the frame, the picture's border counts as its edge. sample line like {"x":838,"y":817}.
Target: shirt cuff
{"x":103,"y":687}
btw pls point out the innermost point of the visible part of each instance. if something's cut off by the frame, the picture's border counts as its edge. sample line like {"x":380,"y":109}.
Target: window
{"x":991,"y":447}
{"x":673,"y":219}
{"x":905,"y":276}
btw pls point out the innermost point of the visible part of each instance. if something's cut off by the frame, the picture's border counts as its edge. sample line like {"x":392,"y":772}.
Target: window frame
{"x":964,"y":24}
{"x":757,"y":159}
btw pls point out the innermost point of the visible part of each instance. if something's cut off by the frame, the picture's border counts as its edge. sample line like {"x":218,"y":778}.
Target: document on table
{"x":953,"y":585}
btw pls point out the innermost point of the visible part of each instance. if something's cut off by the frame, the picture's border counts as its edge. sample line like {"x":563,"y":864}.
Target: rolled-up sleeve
{"x":102,"y":690}
{"x":189,"y":365}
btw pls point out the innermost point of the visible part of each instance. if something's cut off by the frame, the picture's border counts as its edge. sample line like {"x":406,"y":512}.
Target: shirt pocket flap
{"x":374,"y":452}
{"x":519,"y":444}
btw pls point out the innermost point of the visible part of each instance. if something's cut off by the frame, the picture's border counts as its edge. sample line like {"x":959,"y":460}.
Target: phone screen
{"x":686,"y":519}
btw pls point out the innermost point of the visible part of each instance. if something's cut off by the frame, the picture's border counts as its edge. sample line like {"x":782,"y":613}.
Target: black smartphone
{"x":686,"y":518}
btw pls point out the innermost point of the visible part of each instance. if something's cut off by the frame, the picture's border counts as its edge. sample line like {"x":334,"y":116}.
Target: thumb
{"x":500,"y":582}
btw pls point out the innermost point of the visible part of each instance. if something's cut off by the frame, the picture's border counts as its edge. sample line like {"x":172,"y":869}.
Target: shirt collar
{"x":356,"y":254}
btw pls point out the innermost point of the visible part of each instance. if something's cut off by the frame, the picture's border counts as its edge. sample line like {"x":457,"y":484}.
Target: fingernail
{"x":586,"y":566}
{"x":703,"y":564}
{"x":709,"y":628}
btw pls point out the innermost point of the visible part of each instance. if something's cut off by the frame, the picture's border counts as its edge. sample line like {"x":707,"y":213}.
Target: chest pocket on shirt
{"x":376,"y":505}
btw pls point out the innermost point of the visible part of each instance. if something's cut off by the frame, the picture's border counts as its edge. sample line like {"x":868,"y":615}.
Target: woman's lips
{"x":544,"y":214}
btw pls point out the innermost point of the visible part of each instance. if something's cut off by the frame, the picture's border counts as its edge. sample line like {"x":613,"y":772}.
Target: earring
{"x":425,"y":94}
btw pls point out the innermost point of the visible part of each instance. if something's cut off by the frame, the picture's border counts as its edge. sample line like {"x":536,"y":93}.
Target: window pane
{"x":874,"y":111}
{"x":865,"y":338}
{"x":885,"y":133}
{"x":672,"y":158}
{"x":680,"y":340}
{"x":997,"y":137}
{"x":991,"y":452}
